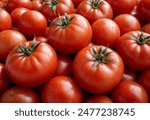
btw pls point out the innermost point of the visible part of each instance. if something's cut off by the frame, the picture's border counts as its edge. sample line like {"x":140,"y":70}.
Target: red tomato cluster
{"x":75,"y":51}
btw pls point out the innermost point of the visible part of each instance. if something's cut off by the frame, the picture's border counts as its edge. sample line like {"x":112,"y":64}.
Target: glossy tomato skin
{"x":127,"y":23}
{"x":5,"y":20}
{"x":98,"y":99}
{"x":105,"y":32}
{"x":129,"y":92}
{"x":62,"y":89}
{"x":92,"y":14}
{"x":32,"y":23}
{"x":8,"y":40}
{"x":77,"y":2}
{"x":34,"y":69}
{"x":79,"y":34}
{"x":101,"y":78}
{"x":144,"y":80}
{"x":146,"y":28}
{"x":62,"y":7}
{"x":19,"y":94}
{"x":12,"y":4}
{"x":134,"y":55}
{"x":36,"y":5}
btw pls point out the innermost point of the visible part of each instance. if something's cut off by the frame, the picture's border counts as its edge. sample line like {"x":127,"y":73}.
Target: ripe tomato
{"x":69,"y":33}
{"x":146,"y":28}
{"x":19,"y":94}
{"x":129,"y":92}
{"x":31,"y":63}
{"x":64,"y":66}
{"x":32,"y":23}
{"x":3,"y":4}
{"x":41,"y":39}
{"x":97,"y":69}
{"x":134,"y":48}
{"x":5,"y":20}
{"x":94,"y":10}
{"x":122,"y":6}
{"x":62,"y":89}
{"x":105,"y":32}
{"x":77,"y":2}
{"x":8,"y":40}
{"x":36,"y":5}
{"x":98,"y":99}
{"x":12,"y":4}
{"x":4,"y":80}
{"x":16,"y":14}
{"x":127,"y":23}
{"x":53,"y":8}
{"x":144,"y":80}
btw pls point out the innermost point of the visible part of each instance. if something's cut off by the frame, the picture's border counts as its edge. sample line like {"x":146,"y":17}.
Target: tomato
{"x":98,"y":99}
{"x":94,"y":10}
{"x":5,"y":20}
{"x":129,"y":92}
{"x":97,"y":69}
{"x":19,"y":94}
{"x":146,"y":28}
{"x":79,"y":33}
{"x":61,"y":89}
{"x":134,"y":48}
{"x":36,"y":5}
{"x":4,"y":80}
{"x":8,"y":40}
{"x":144,"y":80}
{"x":77,"y":2}
{"x":127,"y":23}
{"x":16,"y":14}
{"x":32,"y":23}
{"x":2,"y":5}
{"x":143,"y":9}
{"x":105,"y":32}
{"x":53,"y":8}
{"x":122,"y":6}
{"x":64,"y":66}
{"x":12,"y":4}
{"x":31,"y":63}
{"x":42,"y":39}
{"x":129,"y":74}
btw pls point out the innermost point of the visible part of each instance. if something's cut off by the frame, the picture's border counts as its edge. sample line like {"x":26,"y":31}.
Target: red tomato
{"x":127,"y":23}
{"x":8,"y":40}
{"x":32,"y":23}
{"x":79,"y":33}
{"x":129,"y":92}
{"x":4,"y":80}
{"x":134,"y":48}
{"x":62,"y":89}
{"x":143,"y":10}
{"x":144,"y":80}
{"x":54,"y":8}
{"x":98,"y":99}
{"x":5,"y":20}
{"x":97,"y":69}
{"x":19,"y":94}
{"x":122,"y":6}
{"x":77,"y":2}
{"x":3,"y":5}
{"x":105,"y":32}
{"x":94,"y":10}
{"x":146,"y":28}
{"x":16,"y":14}
{"x":36,"y":5}
{"x":41,"y":39}
{"x":12,"y":4}
{"x":31,"y":63}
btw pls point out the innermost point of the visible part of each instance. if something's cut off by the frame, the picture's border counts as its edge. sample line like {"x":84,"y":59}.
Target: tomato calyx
{"x":96,"y":3}
{"x":100,"y":56}
{"x":63,"y":21}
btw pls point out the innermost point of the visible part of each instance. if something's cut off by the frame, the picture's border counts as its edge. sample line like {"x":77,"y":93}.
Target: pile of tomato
{"x":75,"y":51}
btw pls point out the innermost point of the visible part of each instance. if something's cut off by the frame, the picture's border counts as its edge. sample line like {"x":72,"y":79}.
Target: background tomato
{"x":36,"y":5}
{"x":146,"y":28}
{"x":77,"y":2}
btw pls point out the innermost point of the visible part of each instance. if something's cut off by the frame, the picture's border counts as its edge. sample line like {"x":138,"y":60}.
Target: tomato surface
{"x":36,"y":5}
{"x":146,"y":28}
{"x":77,"y":2}
{"x":62,"y":89}
{"x":97,"y":69}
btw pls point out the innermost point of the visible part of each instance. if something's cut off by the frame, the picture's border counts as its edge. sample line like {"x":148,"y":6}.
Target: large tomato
{"x":134,"y":48}
{"x":31,"y":63}
{"x":8,"y":40}
{"x":53,"y":8}
{"x":94,"y":10}
{"x":129,"y":92}
{"x":62,"y":89}
{"x":97,"y":69}
{"x":32,"y":23}
{"x":69,"y":33}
